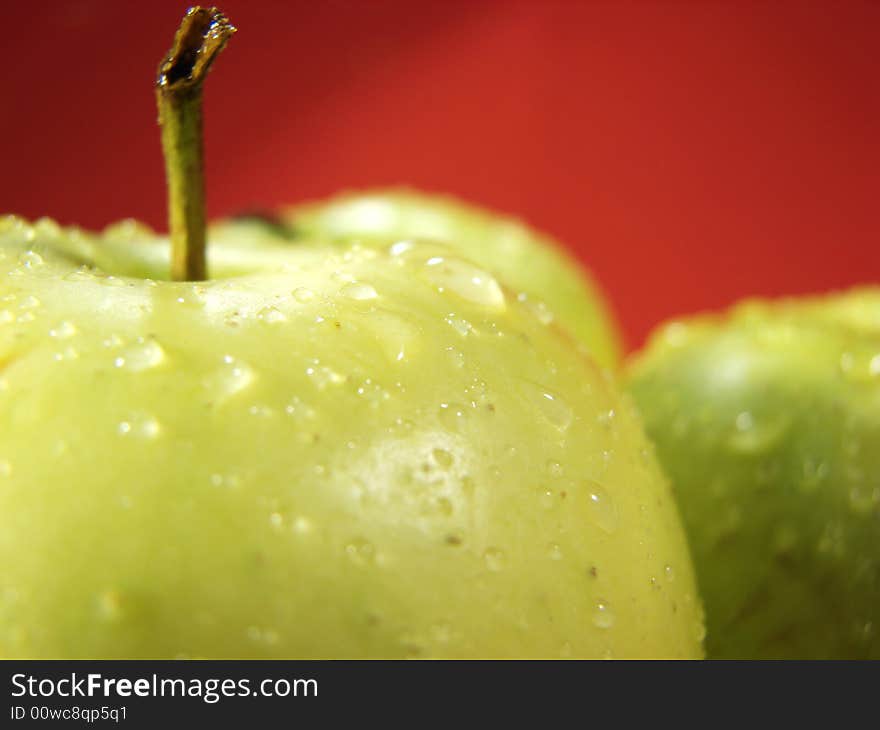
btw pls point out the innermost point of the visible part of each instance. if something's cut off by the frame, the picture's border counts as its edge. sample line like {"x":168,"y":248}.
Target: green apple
{"x":533,"y":264}
{"x":767,"y":420}
{"x":331,"y":451}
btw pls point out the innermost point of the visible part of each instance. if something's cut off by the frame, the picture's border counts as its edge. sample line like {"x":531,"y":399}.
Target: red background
{"x":690,"y":153}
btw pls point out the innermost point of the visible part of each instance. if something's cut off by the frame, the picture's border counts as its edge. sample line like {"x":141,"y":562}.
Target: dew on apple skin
{"x":554,"y":551}
{"x":31,"y":260}
{"x":323,"y":376}
{"x":359,"y":291}
{"x":259,"y":635}
{"x":603,"y":617}
{"x":537,"y":308}
{"x":225,"y":481}
{"x":860,"y":367}
{"x":303,"y":294}
{"x":669,"y":573}
{"x":271,"y":315}
{"x":452,"y":415}
{"x":361,"y":552}
{"x":550,"y":405}
{"x":459,"y":324}
{"x":554,"y":468}
{"x":864,"y":500}
{"x":754,"y":436}
{"x":546,"y":498}
{"x":63,"y":330}
{"x":231,"y":378}
{"x":68,"y":353}
{"x":144,"y":354}
{"x":139,"y":425}
{"x":455,"y":356}
{"x":603,"y":510}
{"x":471,"y":283}
{"x":29,"y":302}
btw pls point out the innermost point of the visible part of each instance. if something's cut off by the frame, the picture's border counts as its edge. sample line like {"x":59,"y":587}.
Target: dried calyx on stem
{"x":202,"y":34}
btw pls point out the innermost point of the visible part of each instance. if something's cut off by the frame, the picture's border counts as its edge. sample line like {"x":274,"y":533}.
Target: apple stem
{"x":201,"y":36}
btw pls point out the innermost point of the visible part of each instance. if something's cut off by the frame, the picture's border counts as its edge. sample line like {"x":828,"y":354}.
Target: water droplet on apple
{"x":669,"y":573}
{"x":5,"y":469}
{"x":606,"y":418}
{"x":603,"y":616}
{"x":860,"y":367}
{"x":538,"y":308}
{"x":465,"y":280}
{"x":753,"y":436}
{"x":398,"y":337}
{"x":271,"y":315}
{"x":602,"y":508}
{"x":303,"y":294}
{"x":63,"y":330}
{"x":276,"y":519}
{"x":145,"y":353}
{"x":226,"y":481}
{"x":401,"y":248}
{"x":863,"y":500}
{"x":29,"y":302}
{"x":554,"y":551}
{"x":814,"y":474}
{"x":139,"y":425}
{"x":301,"y":526}
{"x":372,"y":392}
{"x":30,"y":260}
{"x":546,"y":498}
{"x":459,"y":324}
{"x":232,"y":377}
{"x":452,"y":415}
{"x":68,"y":353}
{"x":323,"y":376}
{"x":360,"y":552}
{"x":495,"y":559}
{"x":6,"y":316}
{"x":456,"y":357}
{"x":358,"y":291}
{"x":550,"y":405}
{"x":555,"y":468}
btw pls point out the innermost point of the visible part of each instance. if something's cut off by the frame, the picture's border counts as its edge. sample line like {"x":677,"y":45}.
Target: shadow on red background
{"x":690,"y":153}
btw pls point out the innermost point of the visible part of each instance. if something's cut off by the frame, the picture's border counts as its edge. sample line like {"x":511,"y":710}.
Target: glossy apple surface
{"x":337,"y":452}
{"x":767,"y":420}
{"x":539,"y":270}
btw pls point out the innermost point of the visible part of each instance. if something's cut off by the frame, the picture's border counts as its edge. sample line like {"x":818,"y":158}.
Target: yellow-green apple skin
{"x":767,"y":420}
{"x":536,"y":266}
{"x":334,"y":451}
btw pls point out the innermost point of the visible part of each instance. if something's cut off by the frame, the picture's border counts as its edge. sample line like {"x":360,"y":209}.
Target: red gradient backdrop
{"x":689,"y":153}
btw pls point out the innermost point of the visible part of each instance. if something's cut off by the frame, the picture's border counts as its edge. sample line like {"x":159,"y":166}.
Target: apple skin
{"x":767,"y":420}
{"x":532,"y":263}
{"x":326,"y":457}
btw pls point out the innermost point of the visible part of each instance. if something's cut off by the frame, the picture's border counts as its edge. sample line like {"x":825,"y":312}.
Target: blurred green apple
{"x":323,"y":451}
{"x":767,"y":419}
{"x":533,"y":264}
